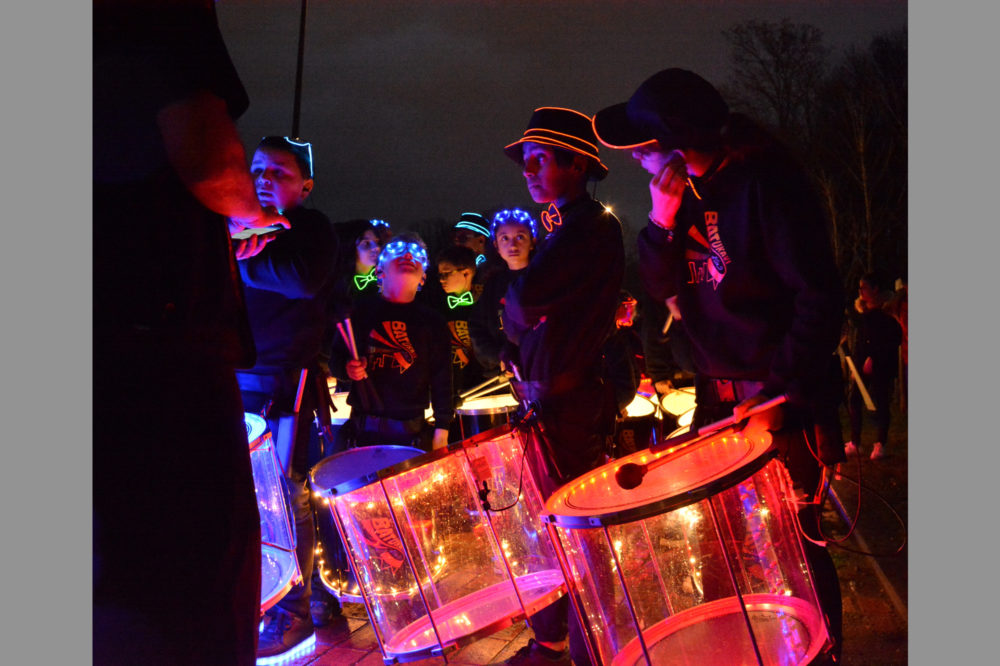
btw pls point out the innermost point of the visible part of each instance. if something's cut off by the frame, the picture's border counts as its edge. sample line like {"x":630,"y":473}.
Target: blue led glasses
{"x":398,"y":248}
{"x":379,"y":223}
{"x":514,"y":216}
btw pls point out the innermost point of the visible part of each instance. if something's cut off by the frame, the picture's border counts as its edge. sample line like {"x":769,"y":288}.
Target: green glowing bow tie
{"x":362,"y":281}
{"x":464,"y":299}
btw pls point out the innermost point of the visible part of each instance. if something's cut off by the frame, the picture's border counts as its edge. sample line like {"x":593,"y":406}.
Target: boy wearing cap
{"x":403,"y":356}
{"x":559,"y":312}
{"x":737,"y":248}
{"x":288,"y":286}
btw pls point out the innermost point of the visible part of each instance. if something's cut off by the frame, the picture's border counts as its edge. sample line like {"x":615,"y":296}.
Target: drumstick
{"x":476,"y":389}
{"x":666,"y":326}
{"x":630,"y":475}
{"x":472,"y":395}
{"x":857,"y":379}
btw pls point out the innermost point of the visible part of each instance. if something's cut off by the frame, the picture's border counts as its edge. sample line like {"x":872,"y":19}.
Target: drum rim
{"x":258,"y":421}
{"x":433,"y":650}
{"x":353,"y":483}
{"x":408,"y":464}
{"x":666,"y":504}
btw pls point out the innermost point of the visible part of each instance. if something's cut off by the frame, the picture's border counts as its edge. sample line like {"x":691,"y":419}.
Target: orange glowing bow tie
{"x":551,"y":217}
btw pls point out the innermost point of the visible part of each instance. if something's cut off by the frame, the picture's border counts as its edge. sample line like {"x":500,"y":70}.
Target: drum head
{"x":678,"y":401}
{"x":639,"y":407}
{"x":354,"y":468}
{"x":689,"y":475}
{"x":256,"y":427}
{"x":490,"y":404}
{"x":341,"y":410}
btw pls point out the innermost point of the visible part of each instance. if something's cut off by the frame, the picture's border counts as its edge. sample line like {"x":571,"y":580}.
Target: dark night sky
{"x":408,"y":104}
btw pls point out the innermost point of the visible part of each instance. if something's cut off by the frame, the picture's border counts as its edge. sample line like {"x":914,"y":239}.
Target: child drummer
{"x":456,"y":268}
{"x":401,"y":358}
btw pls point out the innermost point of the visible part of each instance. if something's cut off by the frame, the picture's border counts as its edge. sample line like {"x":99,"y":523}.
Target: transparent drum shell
{"x":700,"y":565}
{"x":436,"y":570}
{"x":347,"y":469}
{"x":279,"y":566}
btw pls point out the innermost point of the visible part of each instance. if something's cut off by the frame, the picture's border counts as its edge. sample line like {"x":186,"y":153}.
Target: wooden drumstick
{"x":630,"y":475}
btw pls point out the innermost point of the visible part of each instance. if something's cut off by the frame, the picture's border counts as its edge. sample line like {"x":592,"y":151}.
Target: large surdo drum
{"x":436,"y":568}
{"x":700,"y":565}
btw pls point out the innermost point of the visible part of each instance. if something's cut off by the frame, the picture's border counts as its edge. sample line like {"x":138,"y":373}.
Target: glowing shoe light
{"x":306,"y":646}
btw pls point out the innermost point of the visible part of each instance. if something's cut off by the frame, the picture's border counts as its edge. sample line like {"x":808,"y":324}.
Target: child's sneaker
{"x":850,"y":449}
{"x":878,"y":451}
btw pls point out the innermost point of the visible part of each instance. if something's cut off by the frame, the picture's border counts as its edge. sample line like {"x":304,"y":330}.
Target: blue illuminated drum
{"x":701,"y":563}
{"x":437,"y":568}
{"x":279,"y":566}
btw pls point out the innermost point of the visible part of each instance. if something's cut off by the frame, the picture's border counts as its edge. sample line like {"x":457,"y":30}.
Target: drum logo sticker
{"x":708,"y":260}
{"x":391,"y":347}
{"x":461,"y":343}
{"x":380,"y":535}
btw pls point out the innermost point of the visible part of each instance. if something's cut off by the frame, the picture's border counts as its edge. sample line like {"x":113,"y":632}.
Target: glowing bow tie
{"x":362,"y":281}
{"x":551,"y":217}
{"x":464,"y":299}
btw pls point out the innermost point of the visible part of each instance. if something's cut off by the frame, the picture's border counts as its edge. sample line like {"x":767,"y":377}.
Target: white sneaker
{"x":850,"y":449}
{"x":878,"y":451}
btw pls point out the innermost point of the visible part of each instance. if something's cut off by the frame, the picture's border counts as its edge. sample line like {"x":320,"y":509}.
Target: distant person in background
{"x":514,"y":233}
{"x":737,"y":248}
{"x":288,"y":287}
{"x":874,"y":340}
{"x":177,"y":558}
{"x":472,"y":231}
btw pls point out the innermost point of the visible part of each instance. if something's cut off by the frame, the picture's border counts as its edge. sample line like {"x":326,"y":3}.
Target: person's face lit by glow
{"x":547,"y":180}
{"x":402,"y":266}
{"x":514,"y":243}
{"x":454,"y":280}
{"x":368,"y":249}
{"x":278,"y":180}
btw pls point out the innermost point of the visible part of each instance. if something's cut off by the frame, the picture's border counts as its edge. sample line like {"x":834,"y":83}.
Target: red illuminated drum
{"x":480,"y":414}
{"x":436,"y":569}
{"x":331,"y":472}
{"x":635,"y":430}
{"x":699,"y":564}
{"x":279,"y":566}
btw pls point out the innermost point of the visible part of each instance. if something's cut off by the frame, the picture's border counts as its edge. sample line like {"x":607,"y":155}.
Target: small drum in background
{"x":635,"y":430}
{"x":701,"y":563}
{"x":331,"y":472}
{"x":279,"y":566}
{"x":436,"y":568}
{"x":341,"y":410}
{"x":484,"y":413}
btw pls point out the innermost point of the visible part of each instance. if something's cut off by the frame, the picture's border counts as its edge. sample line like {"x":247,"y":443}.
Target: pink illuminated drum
{"x":700,"y":564}
{"x":635,"y":430}
{"x":480,"y":414}
{"x":437,"y":567}
{"x":332,"y":472}
{"x":279,"y":566}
